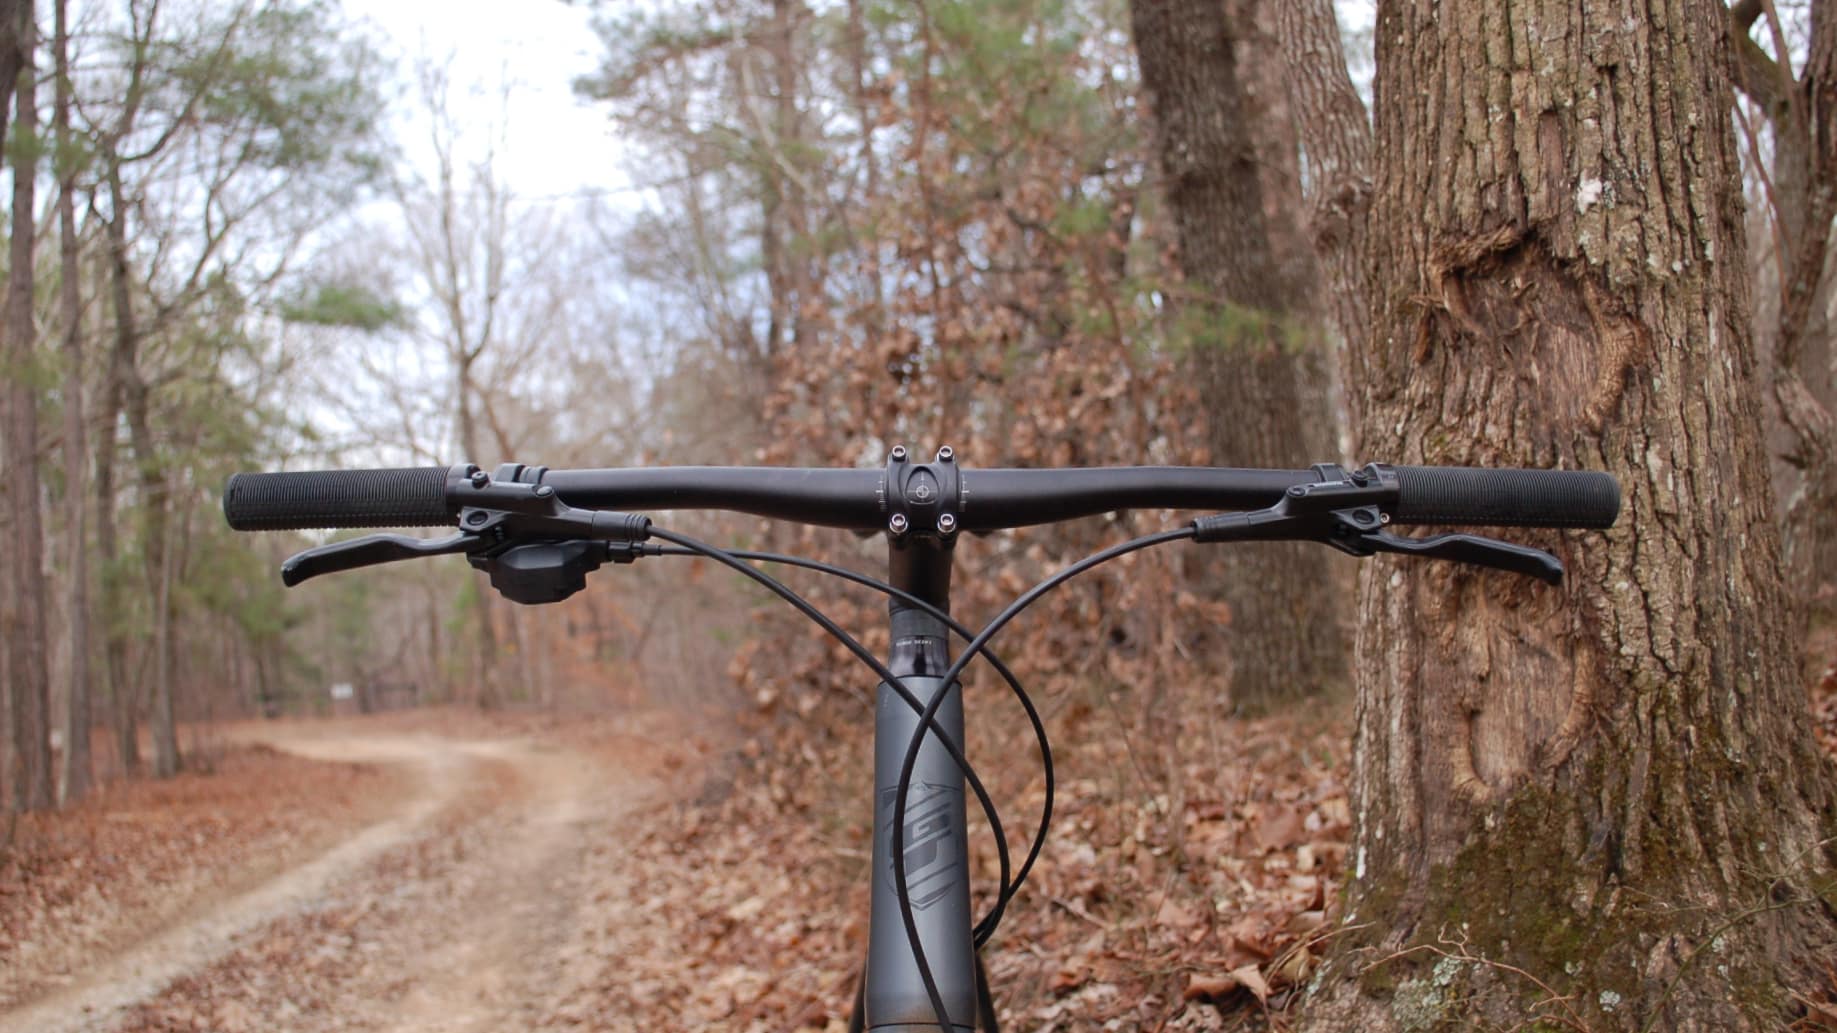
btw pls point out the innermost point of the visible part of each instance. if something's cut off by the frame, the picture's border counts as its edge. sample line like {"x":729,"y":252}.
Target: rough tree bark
{"x":75,"y":782}
{"x":1258,"y":357}
{"x":22,"y":606}
{"x":1597,"y":806}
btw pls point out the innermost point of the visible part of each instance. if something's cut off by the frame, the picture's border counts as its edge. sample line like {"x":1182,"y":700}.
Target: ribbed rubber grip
{"x":1505,"y":498}
{"x":409,"y":497}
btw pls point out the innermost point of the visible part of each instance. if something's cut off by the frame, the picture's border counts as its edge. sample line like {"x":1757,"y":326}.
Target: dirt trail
{"x":443,"y":916}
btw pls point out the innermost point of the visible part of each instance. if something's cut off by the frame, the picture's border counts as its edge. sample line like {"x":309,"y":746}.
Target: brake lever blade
{"x":370,"y":551}
{"x":1474,"y":550}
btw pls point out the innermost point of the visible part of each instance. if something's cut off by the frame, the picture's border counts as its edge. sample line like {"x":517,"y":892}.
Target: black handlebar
{"x":989,"y":499}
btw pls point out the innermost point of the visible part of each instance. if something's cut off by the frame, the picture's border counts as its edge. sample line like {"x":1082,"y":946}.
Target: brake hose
{"x":928,"y":717}
{"x":904,"y":785}
{"x":986,"y":927}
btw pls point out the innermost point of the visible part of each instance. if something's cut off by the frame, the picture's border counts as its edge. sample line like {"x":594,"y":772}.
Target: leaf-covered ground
{"x":138,"y":855}
{"x":666,"y":871}
{"x":1163,"y":896}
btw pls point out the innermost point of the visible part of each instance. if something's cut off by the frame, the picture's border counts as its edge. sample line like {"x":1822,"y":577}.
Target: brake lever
{"x":1470,"y":549}
{"x":1348,"y":515}
{"x":536,"y":547}
{"x":372,"y":550}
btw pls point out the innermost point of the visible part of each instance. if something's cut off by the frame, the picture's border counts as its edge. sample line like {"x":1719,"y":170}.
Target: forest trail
{"x":450,"y":913}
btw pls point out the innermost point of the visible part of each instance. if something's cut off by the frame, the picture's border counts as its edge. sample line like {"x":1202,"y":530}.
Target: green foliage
{"x":24,"y":147}
{"x":638,"y":42}
{"x":350,"y":306}
{"x":289,"y":81}
{"x":1202,"y":325}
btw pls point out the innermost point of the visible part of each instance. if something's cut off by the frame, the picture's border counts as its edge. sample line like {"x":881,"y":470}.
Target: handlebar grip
{"x":1505,"y":498}
{"x":403,"y":497}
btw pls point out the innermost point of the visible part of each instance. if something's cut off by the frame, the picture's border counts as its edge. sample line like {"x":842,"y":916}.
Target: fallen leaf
{"x":1251,"y":979}
{"x":1209,"y":987}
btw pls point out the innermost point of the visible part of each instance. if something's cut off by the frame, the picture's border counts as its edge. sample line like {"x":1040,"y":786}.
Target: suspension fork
{"x":935,"y":836}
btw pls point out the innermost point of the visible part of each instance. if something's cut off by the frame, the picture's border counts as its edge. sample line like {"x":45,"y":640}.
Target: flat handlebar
{"x":988,"y":499}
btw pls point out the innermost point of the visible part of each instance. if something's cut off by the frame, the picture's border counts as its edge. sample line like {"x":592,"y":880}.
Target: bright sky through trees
{"x":558,"y":144}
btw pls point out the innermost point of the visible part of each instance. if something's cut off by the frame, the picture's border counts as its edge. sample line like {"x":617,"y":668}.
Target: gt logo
{"x":932,"y":864}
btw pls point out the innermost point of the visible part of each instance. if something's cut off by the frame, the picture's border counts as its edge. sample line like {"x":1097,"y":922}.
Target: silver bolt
{"x":898,"y":524}
{"x":899,"y":453}
{"x":946,"y":454}
{"x":947,"y":523}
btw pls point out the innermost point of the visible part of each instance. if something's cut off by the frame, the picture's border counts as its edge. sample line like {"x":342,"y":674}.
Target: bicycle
{"x":537,"y":533}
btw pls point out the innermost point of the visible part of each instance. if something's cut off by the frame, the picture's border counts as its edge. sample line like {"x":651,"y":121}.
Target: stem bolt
{"x":898,"y":524}
{"x":480,"y":478}
{"x":946,"y":454}
{"x":899,"y":453}
{"x":947,"y":523}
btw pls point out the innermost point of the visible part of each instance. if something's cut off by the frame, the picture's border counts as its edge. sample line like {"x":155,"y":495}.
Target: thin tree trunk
{"x":1259,"y":356}
{"x":867,"y":112}
{"x":108,"y":554}
{"x":22,"y":610}
{"x":487,"y":646}
{"x":77,"y":765}
{"x":1597,"y":806}
{"x":131,"y":391}
{"x":156,"y":531}
{"x":165,"y":632}
{"x":12,"y":14}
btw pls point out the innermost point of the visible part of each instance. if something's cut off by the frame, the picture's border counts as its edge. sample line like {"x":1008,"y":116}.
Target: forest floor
{"x":449,"y":870}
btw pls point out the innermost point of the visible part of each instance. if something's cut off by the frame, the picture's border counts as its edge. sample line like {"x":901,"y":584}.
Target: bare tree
{"x":219,"y":145}
{"x":1801,"y":198}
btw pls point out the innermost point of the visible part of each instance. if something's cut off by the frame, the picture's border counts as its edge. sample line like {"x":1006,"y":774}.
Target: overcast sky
{"x":558,"y":144}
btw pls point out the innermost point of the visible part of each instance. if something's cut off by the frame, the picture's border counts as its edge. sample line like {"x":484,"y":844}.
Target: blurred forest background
{"x":1044,"y":232}
{"x":841,"y":227}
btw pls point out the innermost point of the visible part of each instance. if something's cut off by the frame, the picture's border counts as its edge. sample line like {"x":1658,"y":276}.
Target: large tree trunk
{"x":1258,"y":351}
{"x":22,"y":606}
{"x":76,"y":460}
{"x":1597,"y":806}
